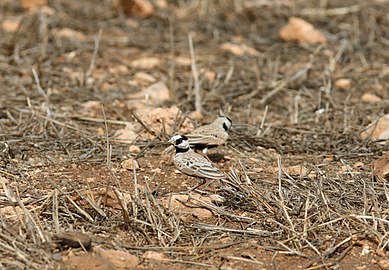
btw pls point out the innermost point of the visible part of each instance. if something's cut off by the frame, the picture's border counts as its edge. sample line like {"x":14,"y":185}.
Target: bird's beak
{"x":171,"y":141}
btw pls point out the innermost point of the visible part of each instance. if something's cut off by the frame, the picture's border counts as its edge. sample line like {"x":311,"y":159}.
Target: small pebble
{"x":134,"y":149}
{"x":129,"y":164}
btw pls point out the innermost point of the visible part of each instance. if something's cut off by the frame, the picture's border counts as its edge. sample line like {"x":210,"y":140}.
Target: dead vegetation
{"x":74,"y":73}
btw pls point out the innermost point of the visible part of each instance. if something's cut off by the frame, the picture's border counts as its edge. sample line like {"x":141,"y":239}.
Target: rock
{"x":156,"y":94}
{"x":297,"y":171}
{"x":378,"y":130}
{"x":344,"y":84}
{"x":108,"y":198}
{"x":366,"y":249}
{"x":381,"y":167}
{"x":74,"y":239}
{"x":127,"y":134}
{"x":91,"y":108}
{"x":140,"y":8}
{"x":10,"y":25}
{"x":156,"y":170}
{"x":163,"y":118}
{"x":301,"y":31}
{"x":32,"y":4}
{"x":239,"y":50}
{"x":210,"y":75}
{"x":232,"y":48}
{"x":57,"y":257}
{"x":384,"y":264}
{"x":183,"y":61}
{"x":367,"y":97}
{"x":69,"y":34}
{"x":359,"y":166}
{"x":161,"y":3}
{"x":143,"y":78}
{"x":134,"y":149}
{"x":195,"y":115}
{"x":129,"y":164}
{"x":186,"y":207}
{"x":120,"y":259}
{"x":153,"y":255}
{"x":11,"y":212}
{"x":146,"y":63}
{"x":87,"y":261}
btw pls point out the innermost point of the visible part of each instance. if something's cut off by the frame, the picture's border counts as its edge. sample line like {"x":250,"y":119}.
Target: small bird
{"x":211,"y":135}
{"x":189,"y":162}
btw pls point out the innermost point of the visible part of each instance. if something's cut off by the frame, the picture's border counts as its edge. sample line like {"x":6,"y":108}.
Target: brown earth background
{"x":90,"y":92}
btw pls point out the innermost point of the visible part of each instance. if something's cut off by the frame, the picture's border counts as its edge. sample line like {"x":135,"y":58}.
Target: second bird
{"x":211,"y":135}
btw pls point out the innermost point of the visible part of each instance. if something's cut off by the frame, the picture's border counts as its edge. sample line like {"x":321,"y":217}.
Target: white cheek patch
{"x":184,"y":144}
{"x":175,"y":138}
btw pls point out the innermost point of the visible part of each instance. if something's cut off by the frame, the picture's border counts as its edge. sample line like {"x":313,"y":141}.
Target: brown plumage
{"x":211,"y":135}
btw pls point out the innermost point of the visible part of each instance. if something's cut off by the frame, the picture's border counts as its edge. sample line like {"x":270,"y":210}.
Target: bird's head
{"x":180,"y":141}
{"x":224,"y":122}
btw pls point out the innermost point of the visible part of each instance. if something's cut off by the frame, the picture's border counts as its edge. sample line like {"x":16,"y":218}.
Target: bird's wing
{"x":202,"y":139}
{"x":207,"y":135}
{"x":199,"y":166}
{"x":210,"y":172}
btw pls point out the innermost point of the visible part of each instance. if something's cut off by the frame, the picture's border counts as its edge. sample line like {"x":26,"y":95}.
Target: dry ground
{"x":300,"y":192}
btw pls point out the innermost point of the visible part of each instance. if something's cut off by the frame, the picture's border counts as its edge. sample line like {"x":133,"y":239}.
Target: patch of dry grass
{"x":285,"y":112}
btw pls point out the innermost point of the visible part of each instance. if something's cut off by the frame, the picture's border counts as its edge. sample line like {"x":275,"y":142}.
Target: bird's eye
{"x":179,"y":141}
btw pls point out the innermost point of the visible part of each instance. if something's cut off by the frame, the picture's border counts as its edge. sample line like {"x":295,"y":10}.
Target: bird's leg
{"x":210,"y":182}
{"x":203,"y":181}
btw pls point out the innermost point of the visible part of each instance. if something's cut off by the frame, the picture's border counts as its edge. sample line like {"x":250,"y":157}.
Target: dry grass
{"x":284,"y":108}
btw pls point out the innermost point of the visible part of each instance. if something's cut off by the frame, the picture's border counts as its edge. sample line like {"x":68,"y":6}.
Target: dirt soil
{"x":90,"y":94}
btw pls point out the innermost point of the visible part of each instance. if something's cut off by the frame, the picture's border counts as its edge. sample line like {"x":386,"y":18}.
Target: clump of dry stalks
{"x":320,"y":216}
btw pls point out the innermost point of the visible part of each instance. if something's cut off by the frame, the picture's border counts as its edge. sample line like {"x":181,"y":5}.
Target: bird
{"x":189,"y":162}
{"x":211,"y":135}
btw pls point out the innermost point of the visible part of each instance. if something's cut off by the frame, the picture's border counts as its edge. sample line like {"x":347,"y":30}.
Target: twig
{"x":79,"y":209}
{"x":90,"y":200}
{"x":123,"y":206}
{"x":93,"y":119}
{"x":180,"y":261}
{"x":94,"y":55}
{"x":330,"y":12}
{"x":56,"y":122}
{"x":260,"y":129}
{"x":195,"y":75}
{"x":136,"y":193}
{"x":136,"y":116}
{"x":281,"y":196}
{"x":209,"y":227}
{"x":229,"y":73}
{"x":38,"y":84}
{"x":108,"y":146}
{"x":274,"y":91}
{"x":55,"y":211}
{"x":286,"y":81}
{"x":28,"y":216}
{"x":43,"y":35}
{"x":218,"y":210}
{"x":241,"y":259}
